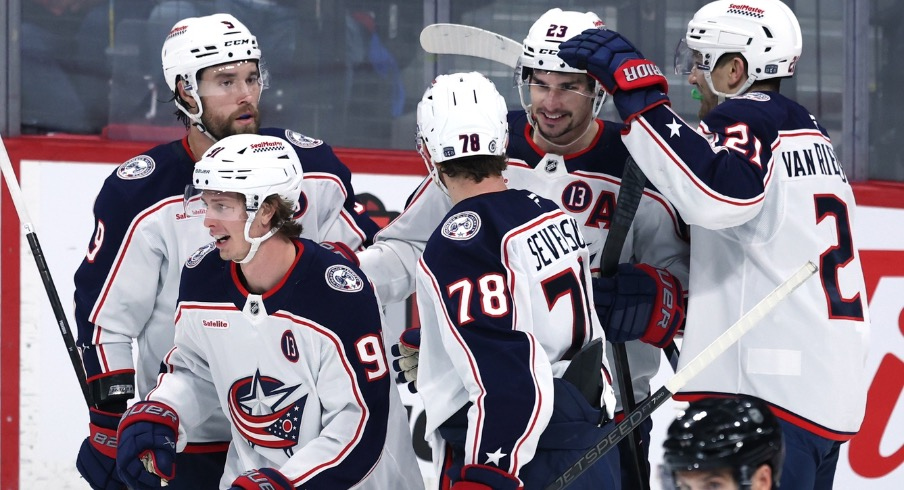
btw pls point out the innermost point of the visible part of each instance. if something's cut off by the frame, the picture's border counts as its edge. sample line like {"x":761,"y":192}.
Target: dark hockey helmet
{"x":738,"y":433}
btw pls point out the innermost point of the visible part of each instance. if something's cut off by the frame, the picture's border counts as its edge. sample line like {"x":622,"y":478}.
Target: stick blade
{"x":465,"y":40}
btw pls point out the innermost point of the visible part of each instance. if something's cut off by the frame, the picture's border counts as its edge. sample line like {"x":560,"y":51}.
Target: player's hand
{"x":639,"y":302}
{"x":262,"y":479}
{"x":147,"y":445}
{"x":480,"y":477}
{"x":342,"y":249}
{"x":407,"y":351}
{"x":96,"y":460}
{"x":636,"y":83}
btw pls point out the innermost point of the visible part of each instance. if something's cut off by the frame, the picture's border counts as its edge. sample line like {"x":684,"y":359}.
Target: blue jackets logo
{"x":265,"y":412}
{"x":462,"y":226}
{"x":136,"y":168}
{"x":343,"y":278}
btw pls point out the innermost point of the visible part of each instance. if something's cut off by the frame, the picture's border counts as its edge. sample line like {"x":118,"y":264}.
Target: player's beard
{"x":220,"y":128}
{"x":568,"y":133}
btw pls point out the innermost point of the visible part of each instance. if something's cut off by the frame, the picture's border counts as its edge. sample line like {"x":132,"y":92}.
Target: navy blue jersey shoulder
{"x":765,"y":113}
{"x":497,"y":214}
{"x":314,"y":154}
{"x":205,"y":279}
{"x":322,"y":286}
{"x":159,"y":173}
{"x":317,"y":156}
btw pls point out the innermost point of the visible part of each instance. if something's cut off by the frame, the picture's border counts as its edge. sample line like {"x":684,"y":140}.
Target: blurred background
{"x":350,"y":72}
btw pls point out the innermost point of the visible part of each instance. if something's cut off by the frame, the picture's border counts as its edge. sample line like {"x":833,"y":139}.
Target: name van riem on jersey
{"x":554,"y":240}
{"x":818,"y":160}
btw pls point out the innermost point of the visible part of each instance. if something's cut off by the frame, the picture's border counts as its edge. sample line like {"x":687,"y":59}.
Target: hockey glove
{"x":636,"y":84}
{"x":342,"y":249}
{"x":480,"y":477}
{"x":262,"y":479}
{"x":408,"y":353}
{"x":639,"y":302}
{"x":96,"y":460}
{"x":147,"y":445}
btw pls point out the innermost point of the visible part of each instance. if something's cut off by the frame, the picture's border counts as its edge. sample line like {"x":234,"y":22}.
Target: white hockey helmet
{"x":765,"y":32}
{"x":196,"y":43}
{"x":540,"y":49}
{"x":460,"y":115}
{"x":253,"y":165}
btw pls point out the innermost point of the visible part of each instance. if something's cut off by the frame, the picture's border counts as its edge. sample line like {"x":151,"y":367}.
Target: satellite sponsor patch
{"x":462,"y":226}
{"x":198,"y":255}
{"x":136,"y":168}
{"x":343,"y":278}
{"x":301,"y":140}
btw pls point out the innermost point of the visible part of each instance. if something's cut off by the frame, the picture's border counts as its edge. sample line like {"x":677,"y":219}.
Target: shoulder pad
{"x":136,"y":168}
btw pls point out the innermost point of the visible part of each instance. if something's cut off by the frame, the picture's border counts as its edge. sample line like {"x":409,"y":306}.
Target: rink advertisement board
{"x":44,"y":419}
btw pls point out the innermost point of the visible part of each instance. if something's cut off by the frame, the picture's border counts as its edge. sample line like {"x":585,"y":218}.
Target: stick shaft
{"x":15,"y":193}
{"x":704,"y":359}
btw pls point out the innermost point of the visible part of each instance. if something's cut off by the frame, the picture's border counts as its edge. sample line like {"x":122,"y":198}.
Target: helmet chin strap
{"x":721,"y":96}
{"x":432,"y":170}
{"x":255,"y":242}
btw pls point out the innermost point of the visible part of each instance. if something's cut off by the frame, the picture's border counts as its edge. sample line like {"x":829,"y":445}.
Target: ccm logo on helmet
{"x":237,"y":42}
{"x":549,"y":51}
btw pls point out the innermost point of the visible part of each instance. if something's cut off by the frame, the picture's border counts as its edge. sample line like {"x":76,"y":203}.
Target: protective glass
{"x":224,"y":206}
{"x":543,"y":90}
{"x":233,"y":79}
{"x":686,"y":59}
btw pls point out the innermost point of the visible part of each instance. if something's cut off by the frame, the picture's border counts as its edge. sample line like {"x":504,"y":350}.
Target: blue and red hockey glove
{"x":262,"y":479}
{"x":147,"y":445}
{"x":639,"y":302}
{"x":96,"y":460}
{"x":636,"y":83}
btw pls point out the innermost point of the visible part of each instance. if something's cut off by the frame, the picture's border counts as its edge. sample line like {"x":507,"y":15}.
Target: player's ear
{"x":762,"y":478}
{"x":737,"y":73}
{"x":267,"y":213}
{"x":187,"y":99}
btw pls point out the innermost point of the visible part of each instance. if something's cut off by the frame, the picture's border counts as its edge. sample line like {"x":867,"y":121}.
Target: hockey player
{"x":561,"y":151}
{"x":503,"y":294}
{"x":724,"y":443}
{"x":763,"y":191}
{"x":126,"y":287}
{"x":277,"y":334}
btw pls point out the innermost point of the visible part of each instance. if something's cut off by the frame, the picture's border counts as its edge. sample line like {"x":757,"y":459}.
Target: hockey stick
{"x":629,"y":195}
{"x":470,"y":41}
{"x":464,"y":40}
{"x":15,"y":193}
{"x":693,"y":368}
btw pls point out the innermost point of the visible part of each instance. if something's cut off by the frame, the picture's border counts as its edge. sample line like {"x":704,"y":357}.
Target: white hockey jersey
{"x":300,"y":372}
{"x":503,"y":294}
{"x":584,"y":184}
{"x":764,"y":193}
{"x":127,"y":284}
